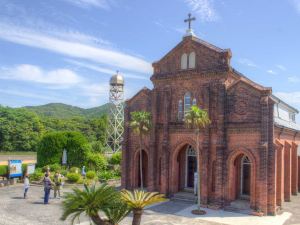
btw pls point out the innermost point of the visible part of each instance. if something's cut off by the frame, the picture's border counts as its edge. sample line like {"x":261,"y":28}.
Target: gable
{"x":244,"y":103}
{"x":140,"y":101}
{"x":201,"y":57}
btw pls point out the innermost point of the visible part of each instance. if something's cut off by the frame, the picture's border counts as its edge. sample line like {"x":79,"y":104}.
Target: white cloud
{"x":294,"y":79}
{"x":31,"y":73}
{"x":66,"y":46}
{"x":271,"y":72}
{"x":104,"y":4}
{"x":204,"y":9}
{"x":105,"y":70}
{"x":289,"y":97}
{"x":247,"y":62}
{"x":296,"y":4}
{"x":27,"y":95}
{"x":57,"y":80}
{"x":281,"y":67}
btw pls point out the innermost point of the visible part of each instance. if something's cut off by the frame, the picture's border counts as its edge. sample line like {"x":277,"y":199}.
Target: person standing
{"x":26,"y":185}
{"x":47,"y":188}
{"x":57,"y":184}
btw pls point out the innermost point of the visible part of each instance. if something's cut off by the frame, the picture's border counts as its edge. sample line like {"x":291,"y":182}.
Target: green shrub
{"x":64,"y":172}
{"x":97,"y":147}
{"x":73,"y":177}
{"x":96,"y":161}
{"x":36,"y":176}
{"x":24,"y":168}
{"x":107,"y":175}
{"x":38,"y":170}
{"x":3,"y":170}
{"x":51,"y":147}
{"x":91,"y":175}
{"x":53,"y":167}
{"x":74,"y":170}
{"x":116,"y":158}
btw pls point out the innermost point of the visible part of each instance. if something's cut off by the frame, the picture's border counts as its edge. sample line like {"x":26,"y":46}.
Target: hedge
{"x":3,"y":170}
{"x":52,"y":144}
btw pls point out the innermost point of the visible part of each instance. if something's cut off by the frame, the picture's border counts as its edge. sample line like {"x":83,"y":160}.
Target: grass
{"x":18,"y":153}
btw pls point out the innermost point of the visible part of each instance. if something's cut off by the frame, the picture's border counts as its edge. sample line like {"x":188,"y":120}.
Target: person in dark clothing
{"x":47,"y":188}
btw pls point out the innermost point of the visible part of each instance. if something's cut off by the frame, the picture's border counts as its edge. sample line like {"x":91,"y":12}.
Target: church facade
{"x":249,"y":151}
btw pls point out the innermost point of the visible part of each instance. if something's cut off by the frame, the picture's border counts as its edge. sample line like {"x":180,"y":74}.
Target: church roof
{"x":243,"y":78}
{"x":208,"y":45}
{"x":286,"y":124}
{"x":144,"y":90}
{"x":199,"y":41}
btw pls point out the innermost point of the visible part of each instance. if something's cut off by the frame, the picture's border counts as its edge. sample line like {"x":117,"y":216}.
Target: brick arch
{"x":174,"y":168}
{"x":135,"y":173}
{"x":229,"y":195}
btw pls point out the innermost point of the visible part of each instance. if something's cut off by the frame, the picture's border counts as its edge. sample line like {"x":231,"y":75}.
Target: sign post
{"x":30,"y":168}
{"x":15,"y":168}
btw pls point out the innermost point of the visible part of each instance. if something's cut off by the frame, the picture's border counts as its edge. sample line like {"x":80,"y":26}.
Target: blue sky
{"x":66,"y":50}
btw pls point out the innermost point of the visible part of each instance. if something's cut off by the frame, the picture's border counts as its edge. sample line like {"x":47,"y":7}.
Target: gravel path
{"x":14,"y":210}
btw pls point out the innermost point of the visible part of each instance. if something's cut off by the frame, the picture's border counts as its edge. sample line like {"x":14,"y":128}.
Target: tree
{"x":138,"y":200}
{"x":141,"y":125}
{"x":197,"y":119}
{"x":20,"y":130}
{"x":52,"y":144}
{"x":92,"y":201}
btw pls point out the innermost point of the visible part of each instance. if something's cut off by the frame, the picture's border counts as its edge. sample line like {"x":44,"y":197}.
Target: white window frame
{"x":187,"y":102}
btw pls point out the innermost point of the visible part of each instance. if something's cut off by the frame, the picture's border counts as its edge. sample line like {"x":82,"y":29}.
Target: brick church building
{"x":249,"y":151}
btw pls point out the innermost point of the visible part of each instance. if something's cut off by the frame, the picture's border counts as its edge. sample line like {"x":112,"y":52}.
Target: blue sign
{"x":15,"y":168}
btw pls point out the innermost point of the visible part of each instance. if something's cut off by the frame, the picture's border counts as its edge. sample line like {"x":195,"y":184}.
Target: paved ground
{"x":15,"y":210}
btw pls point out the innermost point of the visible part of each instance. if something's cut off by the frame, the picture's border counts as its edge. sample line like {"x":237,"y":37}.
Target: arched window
{"x":190,"y":151}
{"x":194,"y":101}
{"x":187,"y":102}
{"x":192,"y":60}
{"x":184,"y":60}
{"x":180,"y":111}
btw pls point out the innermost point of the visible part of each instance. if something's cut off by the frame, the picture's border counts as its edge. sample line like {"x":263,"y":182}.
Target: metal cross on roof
{"x":189,"y":20}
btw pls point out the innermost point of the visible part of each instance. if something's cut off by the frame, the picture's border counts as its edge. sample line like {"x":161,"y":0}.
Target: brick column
{"x":262,"y":177}
{"x":166,"y":143}
{"x":126,"y":170}
{"x":294,"y":169}
{"x":287,"y":172}
{"x":280,"y":174}
{"x":153,"y":153}
{"x":272,"y":163}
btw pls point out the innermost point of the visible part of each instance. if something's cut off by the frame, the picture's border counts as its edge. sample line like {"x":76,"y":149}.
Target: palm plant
{"x":138,"y":200}
{"x":141,"y":125}
{"x":91,"y":201}
{"x":196,"y":119}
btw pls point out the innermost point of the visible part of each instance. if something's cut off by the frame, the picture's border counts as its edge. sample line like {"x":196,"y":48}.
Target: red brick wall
{"x":242,"y":124}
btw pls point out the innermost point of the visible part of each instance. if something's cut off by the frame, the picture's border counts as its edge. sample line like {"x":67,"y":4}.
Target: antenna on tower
{"x":116,"y":112}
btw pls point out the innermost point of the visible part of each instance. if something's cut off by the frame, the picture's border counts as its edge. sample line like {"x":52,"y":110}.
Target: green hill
{"x":64,"y":111}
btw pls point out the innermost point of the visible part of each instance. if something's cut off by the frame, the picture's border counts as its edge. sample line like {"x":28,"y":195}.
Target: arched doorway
{"x":191,"y":166}
{"x":245,"y":178}
{"x":187,"y":167}
{"x":242,"y":177}
{"x":144,"y":169}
